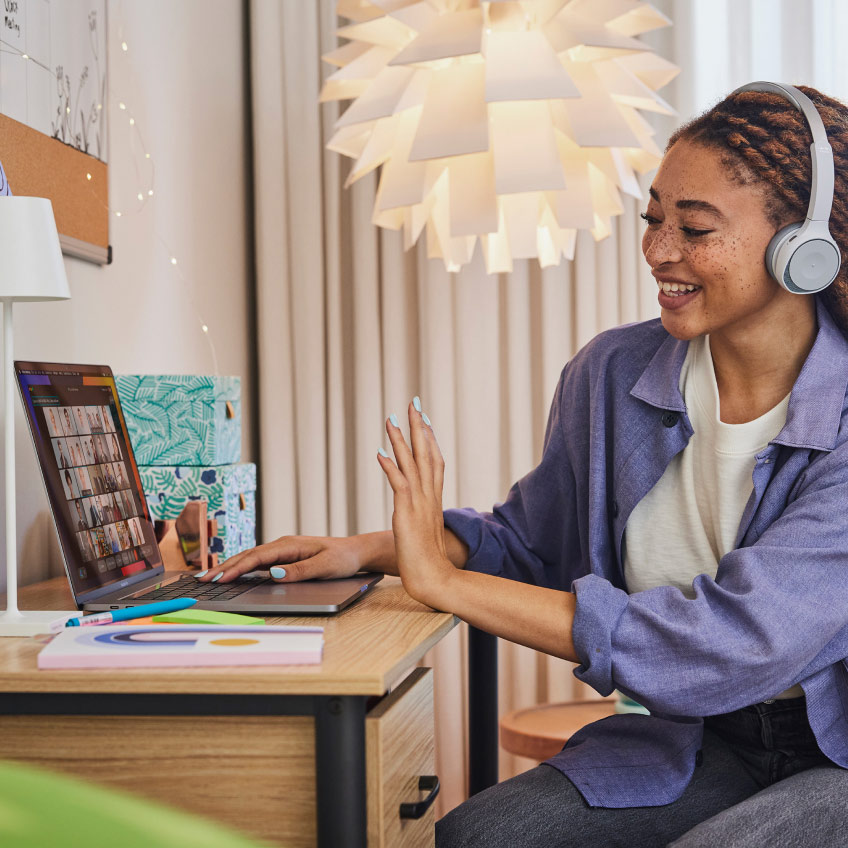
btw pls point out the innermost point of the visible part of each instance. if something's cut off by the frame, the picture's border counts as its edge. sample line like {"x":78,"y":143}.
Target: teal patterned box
{"x":230,"y":491}
{"x":182,"y":420}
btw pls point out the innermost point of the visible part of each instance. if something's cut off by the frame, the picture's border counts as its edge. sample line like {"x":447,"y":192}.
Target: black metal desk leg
{"x":340,"y":771}
{"x":482,"y":710}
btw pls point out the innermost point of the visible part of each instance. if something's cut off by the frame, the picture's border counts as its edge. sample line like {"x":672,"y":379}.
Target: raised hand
{"x":417,"y":478}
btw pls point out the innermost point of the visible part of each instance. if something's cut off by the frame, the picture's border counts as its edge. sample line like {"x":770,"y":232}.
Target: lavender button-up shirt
{"x":775,"y":614}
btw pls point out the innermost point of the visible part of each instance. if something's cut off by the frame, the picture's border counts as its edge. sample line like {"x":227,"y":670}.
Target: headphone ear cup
{"x":805,"y":262}
{"x":777,"y":260}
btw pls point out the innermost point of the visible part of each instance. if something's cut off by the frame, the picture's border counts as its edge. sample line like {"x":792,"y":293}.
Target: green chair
{"x":40,"y":809}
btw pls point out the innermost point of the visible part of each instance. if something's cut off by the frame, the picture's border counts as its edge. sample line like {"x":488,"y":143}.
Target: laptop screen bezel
{"x":70,"y":562}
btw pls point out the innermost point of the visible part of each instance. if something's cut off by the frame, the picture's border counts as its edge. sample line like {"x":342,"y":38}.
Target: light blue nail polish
{"x":393,"y":419}
{"x":277,"y":572}
{"x":201,"y":573}
{"x":218,"y":576}
{"x":426,"y":419}
{"x":416,"y":402}
{"x":382,"y":453}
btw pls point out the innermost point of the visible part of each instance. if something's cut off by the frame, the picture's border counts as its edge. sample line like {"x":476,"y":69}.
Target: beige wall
{"x":183,"y":78}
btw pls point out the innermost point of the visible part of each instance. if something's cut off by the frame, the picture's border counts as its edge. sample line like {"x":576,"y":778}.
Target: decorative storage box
{"x":230,"y":491}
{"x":182,"y":420}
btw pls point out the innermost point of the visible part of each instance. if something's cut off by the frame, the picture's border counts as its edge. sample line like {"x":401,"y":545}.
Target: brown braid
{"x":766,"y":142}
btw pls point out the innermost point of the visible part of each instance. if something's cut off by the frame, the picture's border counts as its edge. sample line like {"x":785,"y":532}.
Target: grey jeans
{"x":761,"y":781}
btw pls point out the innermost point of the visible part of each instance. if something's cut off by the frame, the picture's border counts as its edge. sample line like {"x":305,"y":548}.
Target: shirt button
{"x":669,"y":419}
{"x":615,"y":509}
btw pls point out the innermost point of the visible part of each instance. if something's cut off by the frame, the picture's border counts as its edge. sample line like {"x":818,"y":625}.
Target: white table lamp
{"x":31,"y":268}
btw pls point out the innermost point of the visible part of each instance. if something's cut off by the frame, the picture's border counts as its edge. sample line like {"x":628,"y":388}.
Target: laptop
{"x":105,"y":528}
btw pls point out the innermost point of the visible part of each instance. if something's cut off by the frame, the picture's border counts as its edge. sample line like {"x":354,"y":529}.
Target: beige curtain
{"x":350,"y":328}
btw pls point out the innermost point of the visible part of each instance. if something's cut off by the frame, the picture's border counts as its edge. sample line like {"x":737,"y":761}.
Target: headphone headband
{"x":821,"y":154}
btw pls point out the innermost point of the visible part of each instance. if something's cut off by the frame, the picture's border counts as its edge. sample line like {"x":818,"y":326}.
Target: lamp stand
{"x":13,"y":622}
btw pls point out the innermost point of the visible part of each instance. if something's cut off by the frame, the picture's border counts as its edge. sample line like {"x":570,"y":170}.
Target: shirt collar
{"x":815,"y":404}
{"x":818,"y":396}
{"x":659,"y":384}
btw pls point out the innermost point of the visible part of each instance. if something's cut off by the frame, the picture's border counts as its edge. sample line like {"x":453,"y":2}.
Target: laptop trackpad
{"x":309,"y":593}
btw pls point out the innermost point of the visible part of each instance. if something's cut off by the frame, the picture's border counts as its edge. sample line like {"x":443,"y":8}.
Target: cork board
{"x":53,"y":104}
{"x":39,"y":166}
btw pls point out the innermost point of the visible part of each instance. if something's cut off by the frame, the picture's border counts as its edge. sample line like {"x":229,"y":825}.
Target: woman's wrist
{"x":376,"y":551}
{"x":437,"y":589}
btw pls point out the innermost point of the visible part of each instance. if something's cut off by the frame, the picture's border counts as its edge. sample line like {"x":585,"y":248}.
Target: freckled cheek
{"x":709,"y":266}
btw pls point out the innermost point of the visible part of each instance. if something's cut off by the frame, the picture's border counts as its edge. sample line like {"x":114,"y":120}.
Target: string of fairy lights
{"x":145,"y":190}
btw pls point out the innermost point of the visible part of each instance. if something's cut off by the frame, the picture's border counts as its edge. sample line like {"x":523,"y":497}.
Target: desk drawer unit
{"x":399,"y":746}
{"x":256,"y":773}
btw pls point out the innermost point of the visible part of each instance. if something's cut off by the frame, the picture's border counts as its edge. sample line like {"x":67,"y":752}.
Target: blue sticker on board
{"x":5,"y":191}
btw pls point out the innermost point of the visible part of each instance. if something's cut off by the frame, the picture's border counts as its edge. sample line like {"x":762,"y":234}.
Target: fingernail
{"x":218,"y":576}
{"x":382,"y":453}
{"x":393,"y":419}
{"x":426,"y":419}
{"x":416,"y":402}
{"x":277,"y":572}
{"x":201,"y":574}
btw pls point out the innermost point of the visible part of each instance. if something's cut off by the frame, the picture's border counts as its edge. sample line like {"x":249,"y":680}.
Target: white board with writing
{"x":53,"y":69}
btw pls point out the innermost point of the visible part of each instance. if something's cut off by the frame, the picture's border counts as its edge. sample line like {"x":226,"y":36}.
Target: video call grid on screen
{"x":103,"y":522}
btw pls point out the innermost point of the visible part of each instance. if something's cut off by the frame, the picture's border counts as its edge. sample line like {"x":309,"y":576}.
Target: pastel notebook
{"x":160,"y":646}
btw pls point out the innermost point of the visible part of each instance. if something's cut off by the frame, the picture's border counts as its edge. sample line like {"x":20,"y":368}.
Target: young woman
{"x":684,"y":537}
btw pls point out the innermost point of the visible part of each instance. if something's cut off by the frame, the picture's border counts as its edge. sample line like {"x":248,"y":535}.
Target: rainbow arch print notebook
{"x":175,"y":645}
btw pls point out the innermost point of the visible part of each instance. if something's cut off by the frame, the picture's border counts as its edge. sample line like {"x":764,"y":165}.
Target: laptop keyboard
{"x":188,"y":587}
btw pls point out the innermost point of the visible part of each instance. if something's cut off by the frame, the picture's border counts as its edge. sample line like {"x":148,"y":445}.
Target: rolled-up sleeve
{"x":774,"y":615}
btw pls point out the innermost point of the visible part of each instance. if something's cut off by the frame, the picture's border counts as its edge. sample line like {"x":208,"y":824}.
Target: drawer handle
{"x":426,"y":782}
{"x":231,"y":410}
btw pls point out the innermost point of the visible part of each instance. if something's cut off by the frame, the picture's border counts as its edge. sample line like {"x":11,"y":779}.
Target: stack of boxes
{"x":186,"y":436}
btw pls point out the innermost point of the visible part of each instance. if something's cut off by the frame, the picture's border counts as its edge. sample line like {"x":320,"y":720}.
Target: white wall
{"x":182,"y":78}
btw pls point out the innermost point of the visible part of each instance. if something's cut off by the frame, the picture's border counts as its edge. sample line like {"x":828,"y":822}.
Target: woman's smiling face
{"x":705,"y":242}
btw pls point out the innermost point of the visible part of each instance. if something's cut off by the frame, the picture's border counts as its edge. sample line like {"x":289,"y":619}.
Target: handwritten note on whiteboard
{"x":53,"y":69}
{"x":53,"y":105}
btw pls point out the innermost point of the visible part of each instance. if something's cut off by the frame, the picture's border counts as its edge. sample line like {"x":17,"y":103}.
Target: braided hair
{"x":764,"y":141}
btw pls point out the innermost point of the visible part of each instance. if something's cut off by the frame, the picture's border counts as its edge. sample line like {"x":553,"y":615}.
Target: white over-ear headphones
{"x":803,"y":257}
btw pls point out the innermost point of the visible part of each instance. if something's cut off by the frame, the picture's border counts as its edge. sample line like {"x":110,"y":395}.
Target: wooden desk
{"x":284,"y":754}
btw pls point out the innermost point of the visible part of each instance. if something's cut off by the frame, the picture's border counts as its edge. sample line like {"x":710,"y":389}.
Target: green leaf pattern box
{"x":182,"y":420}
{"x":229,"y":490}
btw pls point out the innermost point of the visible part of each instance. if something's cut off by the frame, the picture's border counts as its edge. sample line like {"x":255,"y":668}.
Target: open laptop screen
{"x":89,"y":470}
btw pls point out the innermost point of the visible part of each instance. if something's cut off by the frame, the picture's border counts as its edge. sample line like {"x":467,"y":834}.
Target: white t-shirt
{"x":690,"y":519}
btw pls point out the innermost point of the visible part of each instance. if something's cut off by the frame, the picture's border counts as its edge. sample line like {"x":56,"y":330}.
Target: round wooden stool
{"x":540,"y":732}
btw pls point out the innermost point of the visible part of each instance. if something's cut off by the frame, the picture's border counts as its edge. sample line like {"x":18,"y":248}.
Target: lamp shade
{"x":515,"y":123}
{"x":31,"y":264}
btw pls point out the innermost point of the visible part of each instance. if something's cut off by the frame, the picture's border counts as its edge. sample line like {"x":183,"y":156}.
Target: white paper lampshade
{"x":514,"y":121}
{"x":31,"y":265}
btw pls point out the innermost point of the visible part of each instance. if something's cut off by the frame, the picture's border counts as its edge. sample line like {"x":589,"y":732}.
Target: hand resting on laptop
{"x":304,"y":558}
